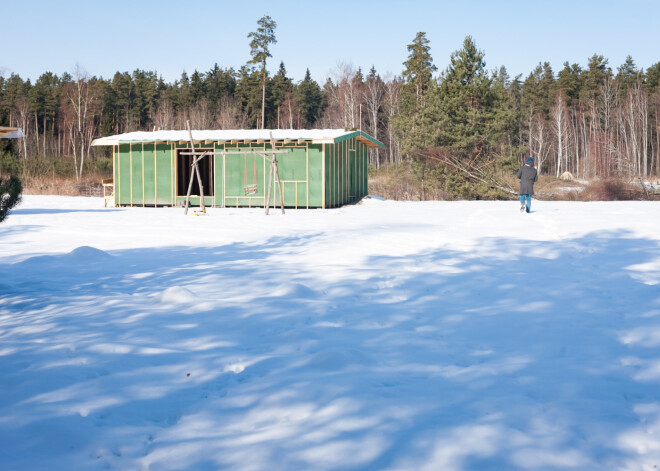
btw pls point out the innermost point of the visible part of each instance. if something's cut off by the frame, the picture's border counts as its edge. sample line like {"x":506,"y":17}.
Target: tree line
{"x":460,"y":127}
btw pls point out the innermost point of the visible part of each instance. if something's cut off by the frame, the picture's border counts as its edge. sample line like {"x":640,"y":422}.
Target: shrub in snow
{"x":611,"y":189}
{"x":10,"y":195}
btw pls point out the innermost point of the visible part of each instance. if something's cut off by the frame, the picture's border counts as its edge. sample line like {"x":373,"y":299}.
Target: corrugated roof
{"x":315,"y":136}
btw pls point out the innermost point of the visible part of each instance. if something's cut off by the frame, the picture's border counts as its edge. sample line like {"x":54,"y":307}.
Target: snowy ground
{"x":382,"y":336}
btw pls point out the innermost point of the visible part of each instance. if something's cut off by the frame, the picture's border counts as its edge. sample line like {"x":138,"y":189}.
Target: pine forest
{"x":454,"y":126}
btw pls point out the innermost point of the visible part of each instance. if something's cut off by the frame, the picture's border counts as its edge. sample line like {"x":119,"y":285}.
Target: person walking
{"x":527,"y":175}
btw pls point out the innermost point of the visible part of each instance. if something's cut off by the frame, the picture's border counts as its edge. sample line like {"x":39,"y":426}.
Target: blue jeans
{"x":526,"y":199}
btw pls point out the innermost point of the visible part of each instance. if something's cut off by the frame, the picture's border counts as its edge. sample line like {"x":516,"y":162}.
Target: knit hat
{"x":530,"y":160}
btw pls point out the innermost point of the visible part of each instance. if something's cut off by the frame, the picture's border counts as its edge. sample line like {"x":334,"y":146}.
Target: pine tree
{"x":627,"y":75}
{"x":468,"y":105}
{"x":262,"y":38}
{"x":569,"y":80}
{"x":416,"y":121}
{"x":281,"y":90}
{"x":594,"y":77}
{"x":538,"y":91}
{"x":311,"y":100}
{"x":653,"y":77}
{"x":220,"y":84}
{"x":10,"y":195}
{"x":249,"y":94}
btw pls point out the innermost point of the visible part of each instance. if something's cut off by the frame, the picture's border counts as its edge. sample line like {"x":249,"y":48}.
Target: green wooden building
{"x":321,"y":168}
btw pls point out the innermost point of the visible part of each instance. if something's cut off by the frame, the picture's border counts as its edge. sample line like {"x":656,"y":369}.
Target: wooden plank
{"x":143,"y":198}
{"x":155,"y":176}
{"x":323,"y":176}
{"x":130,"y":159}
{"x":194,"y":171}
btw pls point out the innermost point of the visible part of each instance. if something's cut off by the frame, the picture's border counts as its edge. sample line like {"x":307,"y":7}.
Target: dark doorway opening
{"x":184,"y":170}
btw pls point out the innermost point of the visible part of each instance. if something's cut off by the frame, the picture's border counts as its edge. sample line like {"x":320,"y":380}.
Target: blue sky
{"x":170,"y":37}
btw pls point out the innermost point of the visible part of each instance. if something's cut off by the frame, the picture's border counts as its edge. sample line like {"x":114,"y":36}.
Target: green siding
{"x":244,"y":170}
{"x":115,"y":172}
{"x":149,"y":169}
{"x":164,"y":174}
{"x":124,"y":175}
{"x":218,"y":181}
{"x":146,"y":174}
{"x":315,"y":183}
{"x":137,"y":190}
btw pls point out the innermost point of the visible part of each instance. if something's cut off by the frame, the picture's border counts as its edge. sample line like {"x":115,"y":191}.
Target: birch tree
{"x":558,"y":120}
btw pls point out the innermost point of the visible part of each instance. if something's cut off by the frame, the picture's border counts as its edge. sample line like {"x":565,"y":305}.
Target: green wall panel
{"x":115,"y":172}
{"x":145,"y":174}
{"x":137,"y":195}
{"x":315,"y":183}
{"x":164,"y":174}
{"x":149,"y":162}
{"x":124,"y":175}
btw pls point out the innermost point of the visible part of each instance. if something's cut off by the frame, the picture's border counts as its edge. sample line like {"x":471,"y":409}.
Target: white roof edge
{"x":223,"y":135}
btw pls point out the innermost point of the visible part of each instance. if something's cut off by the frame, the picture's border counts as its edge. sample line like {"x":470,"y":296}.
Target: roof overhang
{"x":10,"y":132}
{"x":241,"y":136}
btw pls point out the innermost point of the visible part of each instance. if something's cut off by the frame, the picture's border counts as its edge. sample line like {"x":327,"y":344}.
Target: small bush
{"x":611,"y":189}
{"x":10,"y":195}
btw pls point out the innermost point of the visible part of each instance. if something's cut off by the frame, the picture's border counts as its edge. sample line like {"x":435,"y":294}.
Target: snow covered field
{"x":382,"y":336}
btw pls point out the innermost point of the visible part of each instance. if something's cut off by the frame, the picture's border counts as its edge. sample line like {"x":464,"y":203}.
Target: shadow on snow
{"x":517,"y":355}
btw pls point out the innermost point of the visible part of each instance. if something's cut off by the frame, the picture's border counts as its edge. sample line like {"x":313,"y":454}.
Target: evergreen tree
{"x":249,"y":94}
{"x":183,"y":96}
{"x":627,"y":75}
{"x":653,"y":77}
{"x":569,"y":80}
{"x":45,"y":99}
{"x":262,"y":38}
{"x":123,"y":97}
{"x":416,"y":121}
{"x":220,"y":84}
{"x":538,"y":91}
{"x":311,"y":100}
{"x":10,"y":195}
{"x":281,"y":88}
{"x":468,"y":105}
{"x":197,"y":87}
{"x":417,"y":75}
{"x":145,"y":85}
{"x":594,"y":77}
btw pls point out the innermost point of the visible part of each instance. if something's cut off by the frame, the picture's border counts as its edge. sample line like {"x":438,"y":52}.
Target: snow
{"x":224,"y":135}
{"x":381,"y":336}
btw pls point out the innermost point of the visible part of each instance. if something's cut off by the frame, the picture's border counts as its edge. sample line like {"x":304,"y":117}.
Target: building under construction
{"x":319,"y":168}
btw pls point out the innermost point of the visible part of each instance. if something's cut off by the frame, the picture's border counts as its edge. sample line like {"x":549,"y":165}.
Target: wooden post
{"x":277,"y":171}
{"x":194,"y":172}
{"x":270,"y":184}
{"x":279,"y":182}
